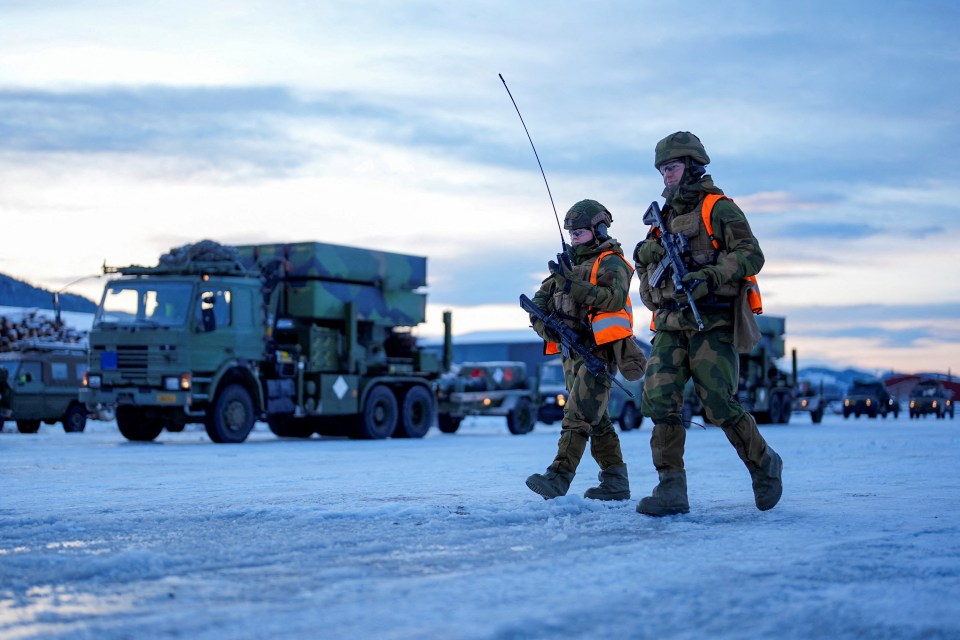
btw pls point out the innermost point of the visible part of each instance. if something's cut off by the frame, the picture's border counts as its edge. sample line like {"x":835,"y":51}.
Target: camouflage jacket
{"x":739,"y":256}
{"x":609,"y":294}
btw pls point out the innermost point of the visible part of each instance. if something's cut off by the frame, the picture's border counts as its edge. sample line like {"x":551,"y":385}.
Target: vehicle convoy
{"x":764,"y":390}
{"x":930,"y":397}
{"x":553,"y":397}
{"x":311,"y":337}
{"x":42,"y":383}
{"x":490,"y":389}
{"x":869,"y":398}
{"x":808,"y":398}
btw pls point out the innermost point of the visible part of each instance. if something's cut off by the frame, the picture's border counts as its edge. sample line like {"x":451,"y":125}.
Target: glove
{"x":703,"y":281}
{"x":561,"y":272}
{"x":648,"y":252}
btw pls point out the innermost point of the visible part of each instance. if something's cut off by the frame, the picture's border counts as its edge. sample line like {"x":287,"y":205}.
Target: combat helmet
{"x":681,"y":144}
{"x":589,"y":214}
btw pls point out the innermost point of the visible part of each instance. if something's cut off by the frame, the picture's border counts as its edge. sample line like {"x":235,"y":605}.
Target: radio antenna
{"x":563,"y":241}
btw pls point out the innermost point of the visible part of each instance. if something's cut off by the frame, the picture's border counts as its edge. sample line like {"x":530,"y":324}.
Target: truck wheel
{"x":776,"y":409}
{"x":231,"y":418}
{"x":28,"y":426}
{"x":379,"y":416}
{"x":75,"y":419}
{"x":786,"y":409}
{"x":817,"y":416}
{"x":522,"y":418}
{"x":286,"y":426}
{"x":630,"y":418}
{"x":448,"y":423}
{"x":416,"y":413}
{"x":135,"y":426}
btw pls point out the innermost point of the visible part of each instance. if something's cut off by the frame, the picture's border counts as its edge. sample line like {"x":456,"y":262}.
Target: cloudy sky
{"x":127,"y":128}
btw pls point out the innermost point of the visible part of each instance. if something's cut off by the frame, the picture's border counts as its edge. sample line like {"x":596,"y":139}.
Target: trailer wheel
{"x":378,"y":419}
{"x":231,"y":418}
{"x":522,"y":418}
{"x":28,"y":426}
{"x":416,"y":413}
{"x":134,"y":425}
{"x":75,"y":419}
{"x":630,"y":418}
{"x":448,"y":423}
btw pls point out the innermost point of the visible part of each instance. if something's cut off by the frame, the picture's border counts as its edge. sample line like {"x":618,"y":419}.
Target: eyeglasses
{"x":579,"y":232}
{"x":670,"y":166}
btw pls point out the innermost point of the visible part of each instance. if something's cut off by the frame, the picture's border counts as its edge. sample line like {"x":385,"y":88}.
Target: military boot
{"x":669,"y":496}
{"x":767,"y":480}
{"x":551,"y":484}
{"x":614,"y":485}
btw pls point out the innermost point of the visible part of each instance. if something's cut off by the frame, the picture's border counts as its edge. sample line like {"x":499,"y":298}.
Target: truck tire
{"x":776,"y":409}
{"x":28,"y":426}
{"x":285,"y":426}
{"x":630,"y":418}
{"x":522,"y":418}
{"x":448,"y":423}
{"x":786,"y":408}
{"x":416,"y":413}
{"x":75,"y":419}
{"x":231,"y":417}
{"x":379,"y":416}
{"x":817,"y":416}
{"x":134,"y":425}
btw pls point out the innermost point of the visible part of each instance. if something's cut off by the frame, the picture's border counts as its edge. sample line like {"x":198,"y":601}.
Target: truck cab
{"x":930,"y":397}
{"x":553,"y":393}
{"x":40,"y":382}
{"x":869,"y":398}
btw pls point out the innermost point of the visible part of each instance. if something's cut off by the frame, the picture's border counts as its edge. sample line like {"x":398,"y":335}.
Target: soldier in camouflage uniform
{"x":679,"y":350}
{"x":591,"y":295}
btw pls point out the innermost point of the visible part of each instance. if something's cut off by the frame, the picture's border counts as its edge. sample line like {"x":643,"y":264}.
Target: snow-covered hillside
{"x":439,"y":538}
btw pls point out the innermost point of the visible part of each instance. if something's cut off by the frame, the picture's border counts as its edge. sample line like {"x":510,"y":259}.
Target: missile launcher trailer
{"x":310,"y":337}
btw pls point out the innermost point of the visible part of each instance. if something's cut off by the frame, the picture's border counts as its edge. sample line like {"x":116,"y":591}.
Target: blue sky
{"x":128,"y":128}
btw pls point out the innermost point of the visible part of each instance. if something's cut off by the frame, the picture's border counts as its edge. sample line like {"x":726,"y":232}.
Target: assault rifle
{"x":675,"y":245}
{"x":570,"y":341}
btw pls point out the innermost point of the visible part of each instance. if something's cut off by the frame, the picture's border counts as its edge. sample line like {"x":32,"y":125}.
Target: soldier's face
{"x":580,"y":236}
{"x":671,"y":172}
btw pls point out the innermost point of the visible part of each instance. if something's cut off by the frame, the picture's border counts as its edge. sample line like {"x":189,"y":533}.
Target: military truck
{"x":308,"y":336}
{"x":869,"y":398}
{"x":487,"y":389}
{"x":553,"y":397}
{"x":930,"y":397}
{"x":43,"y":380}
{"x":764,"y":390}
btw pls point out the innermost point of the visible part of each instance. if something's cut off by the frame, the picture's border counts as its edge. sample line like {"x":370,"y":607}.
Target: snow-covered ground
{"x":439,"y":538}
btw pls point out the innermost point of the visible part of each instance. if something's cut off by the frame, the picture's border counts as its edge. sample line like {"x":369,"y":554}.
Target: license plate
{"x":166,"y":397}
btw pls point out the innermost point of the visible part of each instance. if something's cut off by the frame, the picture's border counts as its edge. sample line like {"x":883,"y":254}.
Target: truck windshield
{"x":161,"y":304}
{"x":551,"y":374}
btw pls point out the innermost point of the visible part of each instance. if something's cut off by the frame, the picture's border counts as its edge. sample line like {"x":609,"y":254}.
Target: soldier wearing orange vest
{"x":723,"y":258}
{"x":591,"y":295}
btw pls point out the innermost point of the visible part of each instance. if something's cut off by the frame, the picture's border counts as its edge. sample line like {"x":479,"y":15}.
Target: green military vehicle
{"x":553,"y":393}
{"x":310,"y":337}
{"x":930,"y":397}
{"x":40,"y":382}
{"x":487,"y":389}
{"x":764,"y":390}
{"x":869,"y":398}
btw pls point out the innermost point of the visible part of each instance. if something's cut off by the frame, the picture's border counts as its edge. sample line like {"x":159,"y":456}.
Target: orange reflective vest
{"x":607,"y":326}
{"x":750,"y":282}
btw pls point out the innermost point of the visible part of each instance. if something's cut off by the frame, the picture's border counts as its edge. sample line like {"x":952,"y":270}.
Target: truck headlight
{"x":92,"y":381}
{"x":177,"y":383}
{"x":561,"y":399}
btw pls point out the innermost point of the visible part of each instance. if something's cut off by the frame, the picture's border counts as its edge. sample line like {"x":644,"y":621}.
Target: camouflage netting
{"x":203,"y":251}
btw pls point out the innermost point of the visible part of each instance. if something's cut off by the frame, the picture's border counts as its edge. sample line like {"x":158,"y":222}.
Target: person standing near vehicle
{"x":723,"y":252}
{"x":591,"y":295}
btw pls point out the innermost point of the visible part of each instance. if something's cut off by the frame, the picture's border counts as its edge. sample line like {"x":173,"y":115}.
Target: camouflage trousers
{"x":711,"y":360}
{"x":586,"y":418}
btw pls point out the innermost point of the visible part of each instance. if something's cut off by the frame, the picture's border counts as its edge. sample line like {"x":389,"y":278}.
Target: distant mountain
{"x":16,"y":293}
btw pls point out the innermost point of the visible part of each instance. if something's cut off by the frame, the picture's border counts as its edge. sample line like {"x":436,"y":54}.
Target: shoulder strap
{"x":708,"y":201}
